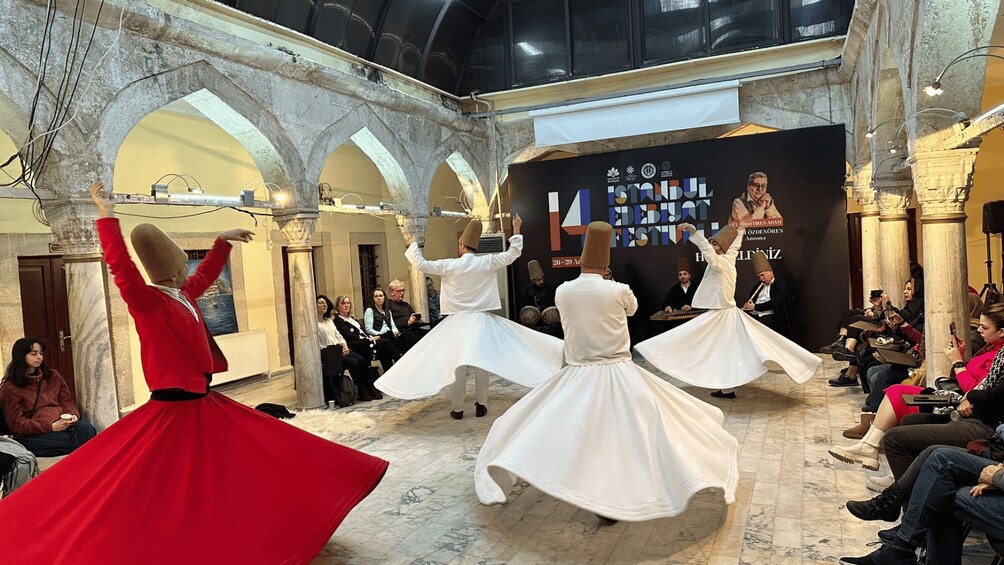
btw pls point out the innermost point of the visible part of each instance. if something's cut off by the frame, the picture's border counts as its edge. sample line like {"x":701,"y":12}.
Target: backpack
{"x":275,"y":410}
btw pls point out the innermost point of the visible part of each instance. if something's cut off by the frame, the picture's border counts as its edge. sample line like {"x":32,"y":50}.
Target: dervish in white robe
{"x":469,"y":336}
{"x":725,"y":347}
{"x":603,"y":433}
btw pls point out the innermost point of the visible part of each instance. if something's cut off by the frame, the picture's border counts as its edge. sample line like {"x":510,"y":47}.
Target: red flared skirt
{"x":196,"y":481}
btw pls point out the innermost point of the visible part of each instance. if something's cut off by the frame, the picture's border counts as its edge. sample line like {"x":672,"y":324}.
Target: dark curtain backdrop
{"x":646,"y":193}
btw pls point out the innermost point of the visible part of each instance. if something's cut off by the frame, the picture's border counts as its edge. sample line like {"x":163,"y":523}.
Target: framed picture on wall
{"x":217,"y":303}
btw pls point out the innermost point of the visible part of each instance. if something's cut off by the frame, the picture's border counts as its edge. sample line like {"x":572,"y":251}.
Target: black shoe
{"x":364,"y":395}
{"x":456,"y":415}
{"x":888,"y":536}
{"x":375,"y":392}
{"x":843,"y":354}
{"x":723,"y":394}
{"x":886,"y":506}
{"x":888,"y":554}
{"x":480,"y":410}
{"x":604,"y":521}
{"x":833,"y":346}
{"x":843,"y":380}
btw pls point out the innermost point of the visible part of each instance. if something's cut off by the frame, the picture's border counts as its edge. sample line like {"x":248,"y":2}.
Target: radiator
{"x":247,"y":355}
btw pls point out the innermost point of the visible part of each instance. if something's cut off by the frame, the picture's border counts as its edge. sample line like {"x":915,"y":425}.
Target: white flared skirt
{"x":612,"y":439}
{"x":476,"y":339}
{"x":726,"y":348}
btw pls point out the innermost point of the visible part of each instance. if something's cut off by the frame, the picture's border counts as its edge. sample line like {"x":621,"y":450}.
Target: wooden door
{"x":45,"y":311}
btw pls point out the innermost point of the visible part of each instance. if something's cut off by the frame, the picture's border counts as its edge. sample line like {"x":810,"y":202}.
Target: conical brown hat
{"x":472,"y":234}
{"x":535,"y":271}
{"x":760,"y":263}
{"x":160,"y":255}
{"x":596,"y":249}
{"x":683,"y":264}
{"x":724,"y":237}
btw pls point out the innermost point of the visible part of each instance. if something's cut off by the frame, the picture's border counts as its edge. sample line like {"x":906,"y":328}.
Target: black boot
{"x":604,"y":521}
{"x":480,"y":410}
{"x":838,"y":344}
{"x":375,"y":392}
{"x":456,"y":415}
{"x":886,"y":506}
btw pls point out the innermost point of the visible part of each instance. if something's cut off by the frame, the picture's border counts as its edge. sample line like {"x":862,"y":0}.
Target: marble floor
{"x":789,"y":507}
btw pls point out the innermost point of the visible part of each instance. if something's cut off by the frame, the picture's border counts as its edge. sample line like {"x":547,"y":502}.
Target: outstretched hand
{"x":237,"y":235}
{"x":689,"y":228}
{"x":517,"y":222}
{"x":105,"y":207}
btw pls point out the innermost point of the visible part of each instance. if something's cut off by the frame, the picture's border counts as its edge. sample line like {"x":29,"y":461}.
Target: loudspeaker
{"x":993,"y":217}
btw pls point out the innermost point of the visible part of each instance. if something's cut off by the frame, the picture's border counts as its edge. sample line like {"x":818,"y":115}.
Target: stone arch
{"x":379,"y":143}
{"x":472,"y":176}
{"x":223,"y":102}
{"x":17,"y":88}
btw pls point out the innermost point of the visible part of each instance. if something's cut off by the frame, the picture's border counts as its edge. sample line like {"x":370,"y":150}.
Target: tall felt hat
{"x":724,"y":237}
{"x":160,"y":255}
{"x":472,"y":234}
{"x":760,"y":263}
{"x":682,"y":264}
{"x":596,"y":249}
{"x":535,"y":271}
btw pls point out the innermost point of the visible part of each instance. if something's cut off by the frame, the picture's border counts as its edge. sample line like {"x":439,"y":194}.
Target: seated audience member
{"x":680,"y":294}
{"x":17,"y":465}
{"x":976,"y":416}
{"x":37,"y":405}
{"x":538,"y":293}
{"x":432,"y":298}
{"x":407,"y":321}
{"x":954,"y":491}
{"x":358,"y":365}
{"x":857,"y":351}
{"x":871,"y":314}
{"x":377,"y":320}
{"x":369,"y":346}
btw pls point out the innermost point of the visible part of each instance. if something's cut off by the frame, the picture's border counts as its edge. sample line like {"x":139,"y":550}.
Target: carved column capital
{"x":893,"y":192}
{"x":297,"y":226}
{"x":412,"y":227}
{"x":942,"y":181}
{"x":72,"y":222}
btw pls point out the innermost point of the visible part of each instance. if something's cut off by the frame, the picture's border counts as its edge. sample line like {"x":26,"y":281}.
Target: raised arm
{"x":127,"y":277}
{"x":414,"y":256}
{"x":211,"y":266}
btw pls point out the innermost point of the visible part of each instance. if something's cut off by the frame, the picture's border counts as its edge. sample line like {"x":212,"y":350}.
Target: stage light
{"x":935,"y":88}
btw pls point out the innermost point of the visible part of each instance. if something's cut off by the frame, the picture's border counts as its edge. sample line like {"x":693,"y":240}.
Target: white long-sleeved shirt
{"x":468,"y":283}
{"x":369,"y":319}
{"x":328,"y":334}
{"x":594,"y":315}
{"x":718,"y":287}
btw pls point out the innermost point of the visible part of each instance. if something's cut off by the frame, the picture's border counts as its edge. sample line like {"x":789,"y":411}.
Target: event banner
{"x":794,"y":204}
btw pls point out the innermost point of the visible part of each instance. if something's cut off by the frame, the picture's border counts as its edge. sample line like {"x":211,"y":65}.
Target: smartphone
{"x":951,"y":328}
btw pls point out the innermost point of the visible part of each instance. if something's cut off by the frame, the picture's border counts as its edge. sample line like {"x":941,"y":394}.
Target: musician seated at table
{"x":682,"y":293}
{"x":538,"y":293}
{"x":770,"y":299}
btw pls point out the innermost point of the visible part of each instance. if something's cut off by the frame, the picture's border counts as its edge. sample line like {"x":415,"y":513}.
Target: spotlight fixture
{"x":934,"y":89}
{"x":160,"y":189}
{"x":276,"y":194}
{"x":947,"y":112}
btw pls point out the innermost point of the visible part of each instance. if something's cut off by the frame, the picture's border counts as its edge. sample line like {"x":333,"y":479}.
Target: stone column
{"x":298,"y":227}
{"x":942,"y":180}
{"x":72,"y":222}
{"x":871,"y":251}
{"x":413,"y":228}
{"x":892,"y":195}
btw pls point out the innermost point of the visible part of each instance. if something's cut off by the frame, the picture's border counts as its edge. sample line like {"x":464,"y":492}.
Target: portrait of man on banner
{"x":756,"y":205}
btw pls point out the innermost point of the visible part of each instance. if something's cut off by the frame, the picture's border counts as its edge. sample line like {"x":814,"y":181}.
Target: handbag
{"x":917,"y":377}
{"x":345,"y":391}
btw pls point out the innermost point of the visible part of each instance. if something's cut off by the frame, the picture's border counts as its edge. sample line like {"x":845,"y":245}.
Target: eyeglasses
{"x":759,"y":186}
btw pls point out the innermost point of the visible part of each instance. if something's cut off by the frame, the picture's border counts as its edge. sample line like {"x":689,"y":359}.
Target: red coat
{"x":176,"y":349}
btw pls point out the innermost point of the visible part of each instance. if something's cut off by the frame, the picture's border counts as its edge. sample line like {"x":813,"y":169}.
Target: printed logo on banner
{"x":629,"y":174}
{"x":613,"y":174}
{"x":648,"y":170}
{"x":642,"y":214}
{"x":666,"y":170}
